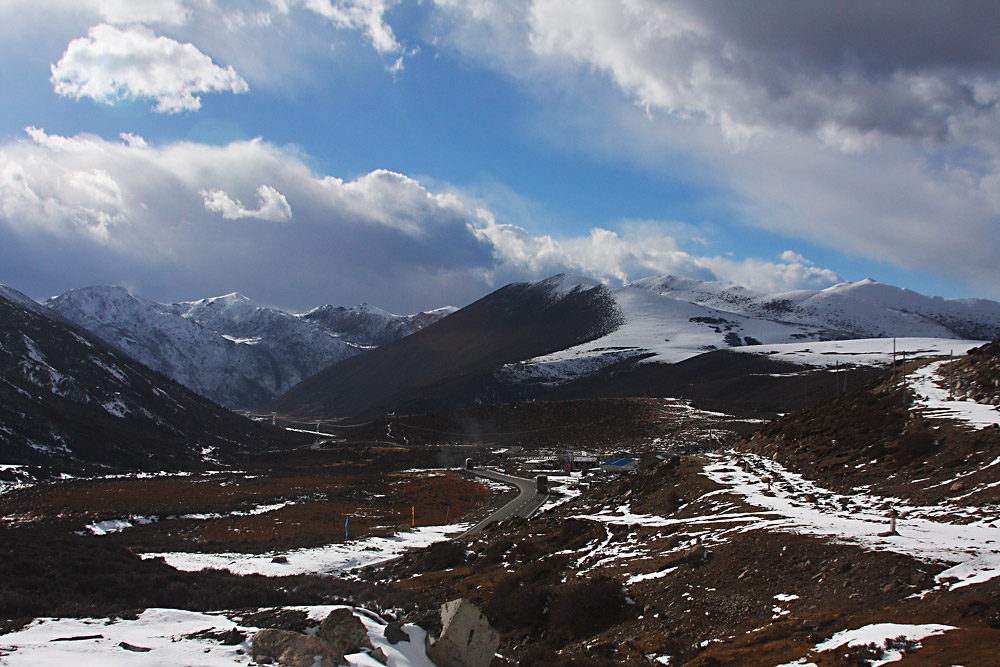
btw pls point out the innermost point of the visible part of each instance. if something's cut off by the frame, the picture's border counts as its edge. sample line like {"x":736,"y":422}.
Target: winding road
{"x":527,"y":502}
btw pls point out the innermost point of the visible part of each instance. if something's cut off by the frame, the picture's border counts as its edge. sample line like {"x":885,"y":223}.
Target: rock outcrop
{"x":467,"y":639}
{"x":341,"y":633}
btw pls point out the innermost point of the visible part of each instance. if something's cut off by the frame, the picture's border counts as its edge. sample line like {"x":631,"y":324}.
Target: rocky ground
{"x":758,"y":552}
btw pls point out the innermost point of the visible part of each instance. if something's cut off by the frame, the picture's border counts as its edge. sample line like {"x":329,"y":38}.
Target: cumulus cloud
{"x":112,"y":64}
{"x":638,"y":251}
{"x":164,"y":217}
{"x":271,"y":205}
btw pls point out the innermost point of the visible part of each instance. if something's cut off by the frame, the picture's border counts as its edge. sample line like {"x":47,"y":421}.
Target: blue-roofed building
{"x":620,"y":465}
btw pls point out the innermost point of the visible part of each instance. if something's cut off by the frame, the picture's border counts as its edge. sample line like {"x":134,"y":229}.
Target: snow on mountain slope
{"x":862,"y":351}
{"x":197,"y":357}
{"x":292,"y":348}
{"x":669,"y":319}
{"x":66,"y":396}
{"x":228,"y":348}
{"x":368,"y":326}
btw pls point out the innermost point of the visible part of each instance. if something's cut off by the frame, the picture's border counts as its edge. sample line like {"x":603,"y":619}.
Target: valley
{"x":822,"y":502}
{"x":729,"y":549}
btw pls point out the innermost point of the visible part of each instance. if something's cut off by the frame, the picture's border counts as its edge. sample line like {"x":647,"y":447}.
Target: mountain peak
{"x":564,"y":283}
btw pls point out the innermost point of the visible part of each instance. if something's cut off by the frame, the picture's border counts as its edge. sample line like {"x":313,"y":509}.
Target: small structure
{"x":467,"y":639}
{"x":619,"y":465}
{"x":469,"y":465}
{"x":572,"y":461}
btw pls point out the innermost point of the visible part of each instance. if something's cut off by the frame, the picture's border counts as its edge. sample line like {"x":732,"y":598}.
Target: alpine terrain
{"x":569,"y":337}
{"x":228,"y":348}
{"x":69,"y":399}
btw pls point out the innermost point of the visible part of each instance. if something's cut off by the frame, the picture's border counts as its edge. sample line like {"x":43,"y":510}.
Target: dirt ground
{"x":549,"y":585}
{"x":309,"y":494}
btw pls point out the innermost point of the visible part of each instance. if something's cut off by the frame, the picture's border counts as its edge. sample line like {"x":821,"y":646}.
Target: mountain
{"x":671,"y":319}
{"x":68,"y":398}
{"x":451,"y":362}
{"x":228,"y":348}
{"x":661,"y":336}
{"x":368,"y":326}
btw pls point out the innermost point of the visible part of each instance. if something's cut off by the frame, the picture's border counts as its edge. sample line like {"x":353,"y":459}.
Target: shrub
{"x":444,"y":555}
{"x":912,"y":446}
{"x":583,"y":608}
{"x":543,"y":656}
{"x":517,"y":605}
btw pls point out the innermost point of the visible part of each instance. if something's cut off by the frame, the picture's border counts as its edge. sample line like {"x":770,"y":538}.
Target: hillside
{"x":669,"y":319}
{"x":229,"y":349}
{"x":927,"y":432}
{"x":653,"y":338}
{"x":451,"y":362}
{"x":68,"y":399}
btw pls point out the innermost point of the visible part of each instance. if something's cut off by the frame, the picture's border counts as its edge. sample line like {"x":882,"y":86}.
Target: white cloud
{"x":113,"y":64}
{"x":638,"y":251}
{"x":271,"y":205}
{"x":368,"y":16}
{"x":792,"y":257}
{"x":164,"y":217}
{"x":866,"y":129}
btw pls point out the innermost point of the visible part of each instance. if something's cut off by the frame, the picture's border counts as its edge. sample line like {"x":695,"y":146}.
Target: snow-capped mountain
{"x":369,"y":326}
{"x":670,"y":319}
{"x":67,"y":397}
{"x":636,"y":333}
{"x":227,"y":348}
{"x":452,"y":362}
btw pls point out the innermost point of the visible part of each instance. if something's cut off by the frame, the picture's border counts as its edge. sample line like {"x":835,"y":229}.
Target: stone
{"x":343,"y":633}
{"x":394,"y":633}
{"x":379,"y":654}
{"x":467,"y":639}
{"x":233,"y":638}
{"x":290,"y":649}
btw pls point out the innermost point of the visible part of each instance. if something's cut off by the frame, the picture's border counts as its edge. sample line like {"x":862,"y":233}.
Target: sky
{"x":414,"y":154}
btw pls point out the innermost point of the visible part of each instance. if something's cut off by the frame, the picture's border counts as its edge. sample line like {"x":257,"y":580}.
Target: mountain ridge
{"x":644,"y":329}
{"x":227,"y":348}
{"x":67,"y":398}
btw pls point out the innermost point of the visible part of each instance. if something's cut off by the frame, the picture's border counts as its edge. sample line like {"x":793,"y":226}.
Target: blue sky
{"x":417,"y":154}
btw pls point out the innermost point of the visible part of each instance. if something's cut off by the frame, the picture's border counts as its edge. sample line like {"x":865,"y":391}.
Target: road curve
{"x":527,"y":502}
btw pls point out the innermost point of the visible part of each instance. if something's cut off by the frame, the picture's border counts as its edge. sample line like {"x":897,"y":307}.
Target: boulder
{"x":343,"y":633}
{"x":395,"y":634}
{"x":290,"y":649}
{"x":466,"y":640}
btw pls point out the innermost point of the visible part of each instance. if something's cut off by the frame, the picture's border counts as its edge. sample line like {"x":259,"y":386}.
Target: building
{"x":620,"y":465}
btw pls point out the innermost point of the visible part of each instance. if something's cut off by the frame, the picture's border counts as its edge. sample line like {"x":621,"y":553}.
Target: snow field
{"x":934,"y":401}
{"x":161,"y":637}
{"x":967,"y":538}
{"x":791,"y":503}
{"x":332,"y":559}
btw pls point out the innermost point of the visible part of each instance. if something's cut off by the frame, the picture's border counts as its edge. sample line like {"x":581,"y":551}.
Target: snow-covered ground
{"x":161,"y":637}
{"x":882,"y":635}
{"x":934,"y":400}
{"x":966,"y":538}
{"x":331,"y":559}
{"x":862,"y":351}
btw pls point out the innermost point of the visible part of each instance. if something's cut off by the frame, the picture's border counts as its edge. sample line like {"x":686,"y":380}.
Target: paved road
{"x":526,"y":503}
